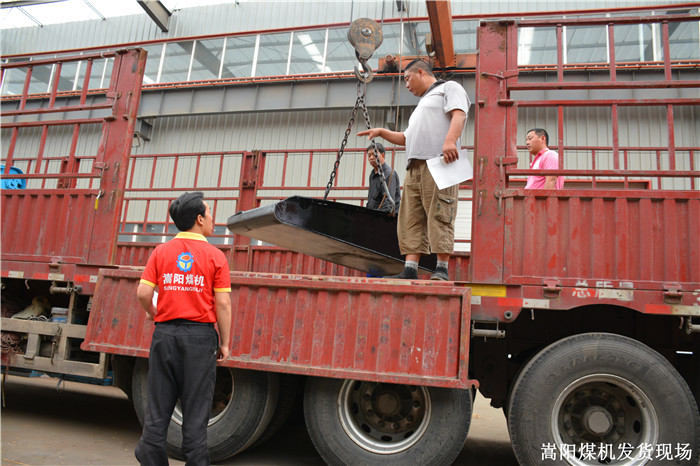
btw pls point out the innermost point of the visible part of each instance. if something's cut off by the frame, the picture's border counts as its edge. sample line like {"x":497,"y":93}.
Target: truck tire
{"x":288,"y":391}
{"x":123,"y":373}
{"x":244,"y":402}
{"x":601,"y":389}
{"x":356,"y":422}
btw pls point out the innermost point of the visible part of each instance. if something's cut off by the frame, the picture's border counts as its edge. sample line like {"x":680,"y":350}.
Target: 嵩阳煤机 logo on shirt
{"x":185,"y":261}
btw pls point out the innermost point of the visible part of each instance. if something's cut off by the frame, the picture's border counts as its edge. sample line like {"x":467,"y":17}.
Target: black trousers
{"x":182,"y":365}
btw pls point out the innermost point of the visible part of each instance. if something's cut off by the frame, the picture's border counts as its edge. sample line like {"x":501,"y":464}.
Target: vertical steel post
{"x":114,"y":151}
{"x":495,"y":125}
{"x":251,"y":178}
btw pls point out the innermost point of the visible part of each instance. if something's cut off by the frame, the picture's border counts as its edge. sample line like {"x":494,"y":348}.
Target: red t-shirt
{"x":187,"y":271}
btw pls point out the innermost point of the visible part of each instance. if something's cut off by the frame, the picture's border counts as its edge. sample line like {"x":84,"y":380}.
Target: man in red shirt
{"x":194,"y":287}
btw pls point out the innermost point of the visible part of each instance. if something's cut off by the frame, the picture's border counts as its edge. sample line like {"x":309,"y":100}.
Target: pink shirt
{"x":545,"y":160}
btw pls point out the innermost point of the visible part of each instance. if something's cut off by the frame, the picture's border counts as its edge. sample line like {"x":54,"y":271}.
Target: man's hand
{"x":223,"y":353}
{"x":370,"y":133}
{"x":393,"y":137}
{"x":457,"y":121}
{"x":144,"y":294}
{"x":449,"y":152}
{"x":222,"y":301}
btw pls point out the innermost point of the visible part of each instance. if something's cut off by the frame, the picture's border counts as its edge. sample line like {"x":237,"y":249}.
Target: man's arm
{"x":449,"y":149}
{"x":550,"y":161}
{"x":223,"y":320}
{"x":394,"y":137}
{"x":144,"y":293}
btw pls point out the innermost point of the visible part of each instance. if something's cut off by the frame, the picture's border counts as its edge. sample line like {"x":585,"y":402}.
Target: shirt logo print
{"x":185,"y":261}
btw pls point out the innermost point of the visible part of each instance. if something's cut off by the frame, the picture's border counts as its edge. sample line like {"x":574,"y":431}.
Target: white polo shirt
{"x":430,"y":121}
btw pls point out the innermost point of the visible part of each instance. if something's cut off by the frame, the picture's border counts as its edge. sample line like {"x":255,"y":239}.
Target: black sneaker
{"x":440,"y":273}
{"x":408,"y":273}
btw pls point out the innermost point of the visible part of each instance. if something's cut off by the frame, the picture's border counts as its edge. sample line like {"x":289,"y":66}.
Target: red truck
{"x":577,"y":311}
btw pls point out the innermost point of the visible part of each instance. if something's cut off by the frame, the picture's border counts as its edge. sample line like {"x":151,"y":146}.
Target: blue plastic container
{"x":14,"y":183}
{"x":59,"y":314}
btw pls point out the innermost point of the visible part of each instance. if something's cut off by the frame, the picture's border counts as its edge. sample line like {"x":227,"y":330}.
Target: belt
{"x":185,"y":322}
{"x":414,"y":163}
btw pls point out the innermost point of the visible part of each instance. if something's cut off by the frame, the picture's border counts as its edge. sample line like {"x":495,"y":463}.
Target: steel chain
{"x":389,"y":197}
{"x":342,"y":147}
{"x":359,"y":103}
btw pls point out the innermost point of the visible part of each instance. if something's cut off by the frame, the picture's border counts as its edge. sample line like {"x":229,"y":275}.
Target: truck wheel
{"x":243,"y":404}
{"x":122,"y":373}
{"x":585,"y":398}
{"x":289,"y":388}
{"x":356,"y":422}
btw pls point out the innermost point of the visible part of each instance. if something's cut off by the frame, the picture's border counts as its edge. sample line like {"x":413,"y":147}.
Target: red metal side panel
{"x":324,"y":326}
{"x":648,"y":240}
{"x":275,"y":260}
{"x":38,"y":224}
{"x":64,"y":222}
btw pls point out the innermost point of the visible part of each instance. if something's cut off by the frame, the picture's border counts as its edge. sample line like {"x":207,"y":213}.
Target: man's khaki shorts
{"x":426,"y":222}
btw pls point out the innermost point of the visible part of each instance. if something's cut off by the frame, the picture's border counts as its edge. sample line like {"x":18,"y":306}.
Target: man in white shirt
{"x":427,"y":214}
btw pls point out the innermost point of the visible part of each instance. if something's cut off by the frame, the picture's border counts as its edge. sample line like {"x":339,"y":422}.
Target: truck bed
{"x":359,"y":328}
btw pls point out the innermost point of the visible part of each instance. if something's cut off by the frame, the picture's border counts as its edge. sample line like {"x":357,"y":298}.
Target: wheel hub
{"x":388,"y":403}
{"x":597,"y":421}
{"x":221,"y":402}
{"x":594,"y":413}
{"x":603,"y":409}
{"x":383,"y":418}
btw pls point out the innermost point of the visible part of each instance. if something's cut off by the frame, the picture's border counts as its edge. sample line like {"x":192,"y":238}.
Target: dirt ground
{"x":79,"y":424}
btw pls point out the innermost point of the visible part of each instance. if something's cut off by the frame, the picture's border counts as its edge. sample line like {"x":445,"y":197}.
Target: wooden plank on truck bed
{"x":409,"y":332}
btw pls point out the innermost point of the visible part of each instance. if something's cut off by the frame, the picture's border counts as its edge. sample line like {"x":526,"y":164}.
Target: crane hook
{"x":366,"y":36}
{"x":366,"y":75}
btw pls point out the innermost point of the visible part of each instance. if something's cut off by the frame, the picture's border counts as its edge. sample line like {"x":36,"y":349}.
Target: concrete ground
{"x":82,"y":424}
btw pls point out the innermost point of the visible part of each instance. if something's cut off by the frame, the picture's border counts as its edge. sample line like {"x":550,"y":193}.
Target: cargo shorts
{"x":426,"y":222}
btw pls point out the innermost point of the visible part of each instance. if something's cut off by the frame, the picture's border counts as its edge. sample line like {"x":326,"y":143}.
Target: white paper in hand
{"x":450,"y":174}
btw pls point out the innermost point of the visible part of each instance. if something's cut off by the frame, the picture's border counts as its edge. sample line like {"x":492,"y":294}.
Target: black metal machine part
{"x":344,"y":234}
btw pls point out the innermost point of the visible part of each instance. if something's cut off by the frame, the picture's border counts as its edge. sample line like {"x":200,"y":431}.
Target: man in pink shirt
{"x":537,"y":141}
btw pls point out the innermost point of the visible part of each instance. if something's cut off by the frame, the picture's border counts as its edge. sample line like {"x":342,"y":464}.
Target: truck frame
{"x":577,"y":311}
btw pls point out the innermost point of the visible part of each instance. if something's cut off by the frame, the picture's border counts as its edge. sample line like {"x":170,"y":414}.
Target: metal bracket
{"x":500,"y":194}
{"x":672,"y":293}
{"x":55,"y":263}
{"x":54,"y":289}
{"x":552,"y":288}
{"x":502,"y":75}
{"x":480,"y":203}
{"x":482,"y":166}
{"x":33,"y":344}
{"x":502,"y":162}
{"x":488,"y":332}
{"x":506,"y":161}
{"x":503,"y":90}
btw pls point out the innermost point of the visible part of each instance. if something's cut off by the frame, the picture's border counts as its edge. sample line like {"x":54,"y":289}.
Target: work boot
{"x":408,"y":273}
{"x":440,"y":273}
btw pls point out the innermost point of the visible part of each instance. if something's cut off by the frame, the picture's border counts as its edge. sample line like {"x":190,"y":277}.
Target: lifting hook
{"x":365,"y":76}
{"x":366,"y":36}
